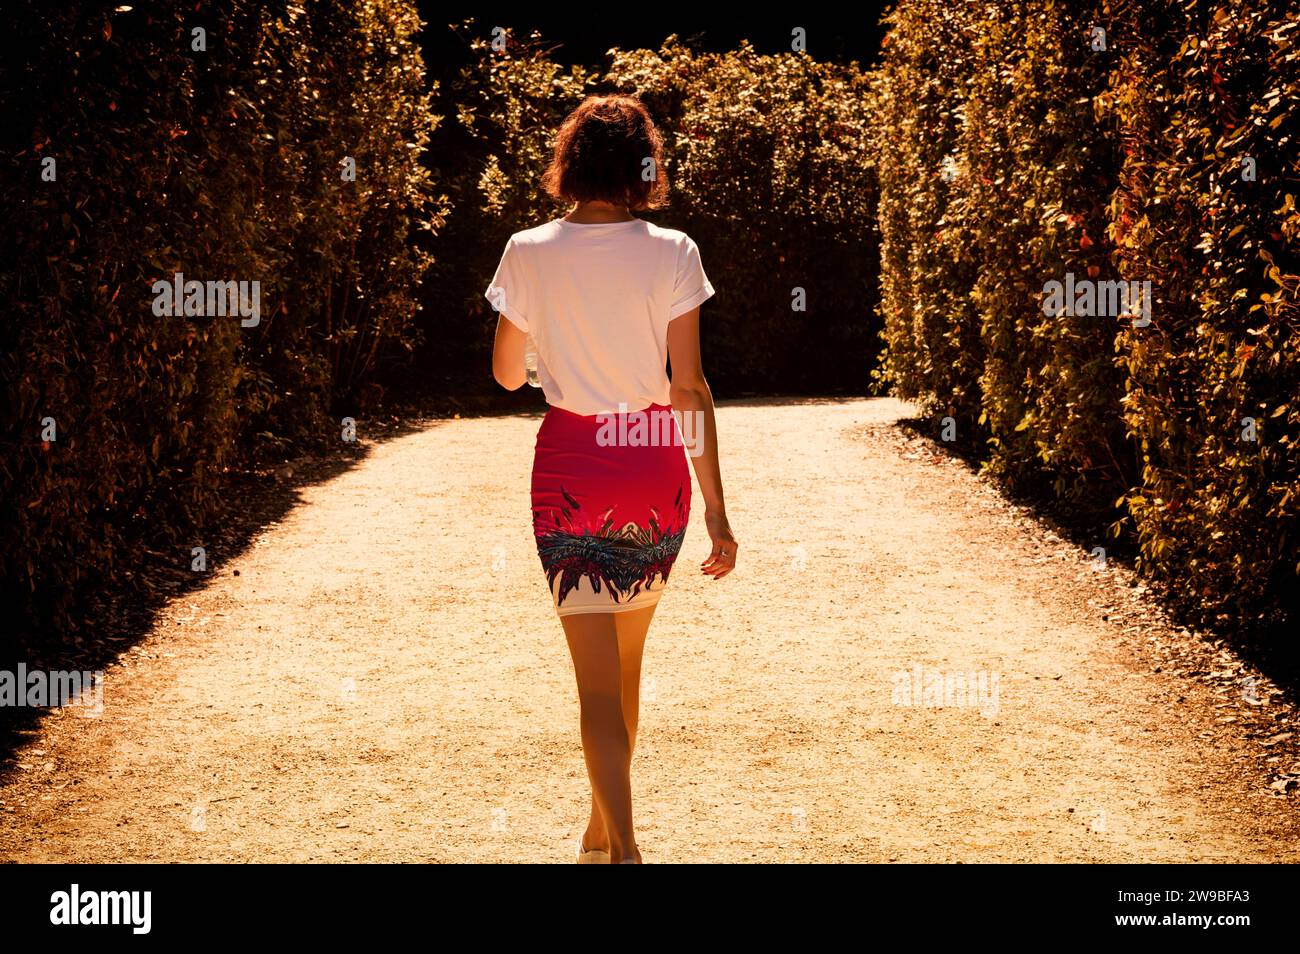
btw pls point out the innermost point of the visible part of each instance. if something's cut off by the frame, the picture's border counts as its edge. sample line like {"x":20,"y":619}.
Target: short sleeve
{"x":692,"y":286}
{"x":508,"y":292}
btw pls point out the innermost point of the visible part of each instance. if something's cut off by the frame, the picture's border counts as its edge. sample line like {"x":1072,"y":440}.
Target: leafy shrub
{"x":927,"y":269}
{"x":1209,"y":86}
{"x":1115,"y":164}
{"x":219,"y":164}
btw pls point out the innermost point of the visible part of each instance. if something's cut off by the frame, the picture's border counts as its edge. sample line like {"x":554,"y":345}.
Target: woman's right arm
{"x":691,"y":397}
{"x":508,"y":355}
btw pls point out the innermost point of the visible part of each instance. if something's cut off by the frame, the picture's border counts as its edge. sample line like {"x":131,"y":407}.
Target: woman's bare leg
{"x":607,"y":650}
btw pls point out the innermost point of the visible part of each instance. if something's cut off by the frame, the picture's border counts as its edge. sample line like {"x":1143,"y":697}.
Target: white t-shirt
{"x":597,"y":299}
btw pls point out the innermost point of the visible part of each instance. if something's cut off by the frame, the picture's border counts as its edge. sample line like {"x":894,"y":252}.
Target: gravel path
{"x":385,"y":680}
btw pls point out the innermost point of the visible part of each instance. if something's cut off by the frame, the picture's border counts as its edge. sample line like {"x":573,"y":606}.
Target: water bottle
{"x":530,"y":362}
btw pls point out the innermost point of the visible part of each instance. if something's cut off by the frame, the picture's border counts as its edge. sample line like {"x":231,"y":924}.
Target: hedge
{"x":216,"y":155}
{"x":1025,"y":141}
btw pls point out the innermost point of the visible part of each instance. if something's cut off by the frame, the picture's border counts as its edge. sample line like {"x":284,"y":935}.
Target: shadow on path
{"x":1270,"y":647}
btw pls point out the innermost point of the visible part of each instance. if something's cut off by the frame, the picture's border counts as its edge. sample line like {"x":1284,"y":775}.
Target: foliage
{"x":1116,"y":164}
{"x":1208,"y":86}
{"x":220,"y":164}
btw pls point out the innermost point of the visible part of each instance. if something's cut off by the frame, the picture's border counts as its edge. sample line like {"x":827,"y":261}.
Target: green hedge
{"x":1011,"y":152}
{"x":221,"y":164}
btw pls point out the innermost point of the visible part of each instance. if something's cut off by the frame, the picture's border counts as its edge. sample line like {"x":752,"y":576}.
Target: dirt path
{"x":380,"y":683}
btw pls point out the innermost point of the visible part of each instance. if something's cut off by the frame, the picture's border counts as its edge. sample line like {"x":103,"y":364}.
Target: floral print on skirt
{"x":611,"y":497}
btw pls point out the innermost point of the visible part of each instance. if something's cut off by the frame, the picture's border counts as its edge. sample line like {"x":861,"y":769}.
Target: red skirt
{"x":611,"y":496}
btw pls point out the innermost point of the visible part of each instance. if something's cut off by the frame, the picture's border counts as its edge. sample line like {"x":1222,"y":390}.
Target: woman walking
{"x":600,"y":299}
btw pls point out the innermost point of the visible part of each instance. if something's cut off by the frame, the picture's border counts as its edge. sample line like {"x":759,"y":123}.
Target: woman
{"x":606,"y":298}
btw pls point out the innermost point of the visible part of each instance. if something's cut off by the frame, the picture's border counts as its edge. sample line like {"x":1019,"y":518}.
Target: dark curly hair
{"x":600,"y":154}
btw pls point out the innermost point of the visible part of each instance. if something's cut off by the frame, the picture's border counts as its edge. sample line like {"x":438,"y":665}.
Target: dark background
{"x":585,"y":36}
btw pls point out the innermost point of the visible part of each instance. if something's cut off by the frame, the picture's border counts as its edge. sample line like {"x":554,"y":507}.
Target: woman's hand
{"x":723,"y":558}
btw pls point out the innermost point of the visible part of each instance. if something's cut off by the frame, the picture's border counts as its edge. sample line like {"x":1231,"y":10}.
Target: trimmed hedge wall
{"x":216,"y":155}
{"x":1023,"y":141}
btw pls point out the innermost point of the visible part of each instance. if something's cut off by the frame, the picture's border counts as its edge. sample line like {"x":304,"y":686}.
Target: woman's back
{"x":597,"y":299}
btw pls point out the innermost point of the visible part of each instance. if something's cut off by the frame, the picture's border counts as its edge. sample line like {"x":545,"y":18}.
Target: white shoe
{"x":593,"y":857}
